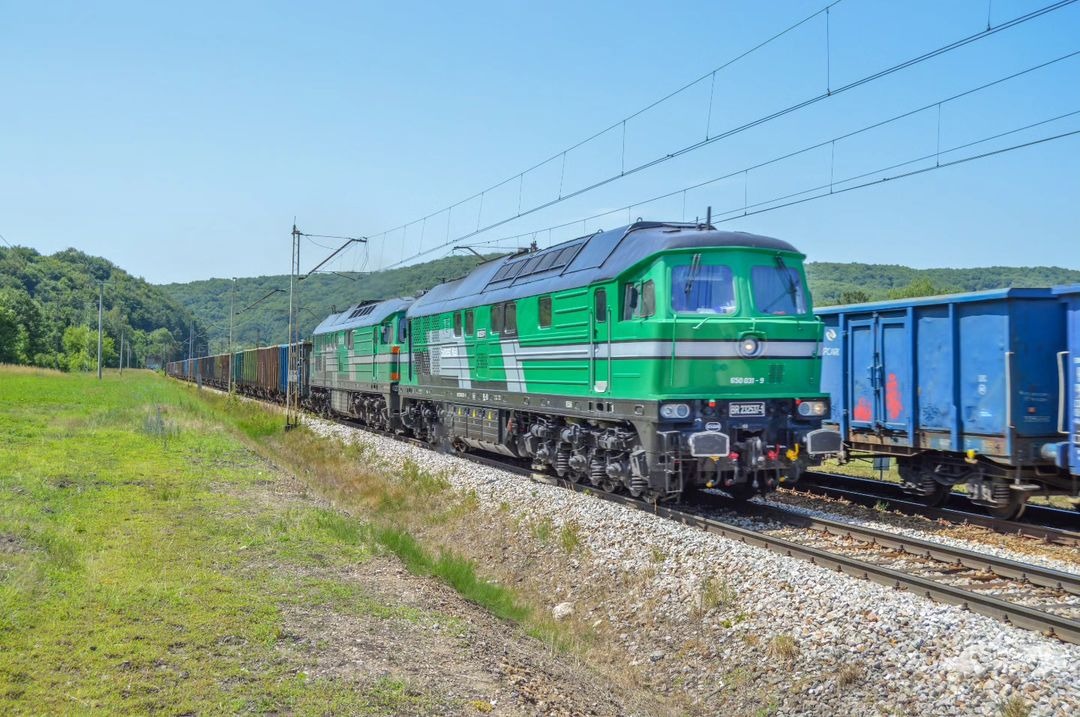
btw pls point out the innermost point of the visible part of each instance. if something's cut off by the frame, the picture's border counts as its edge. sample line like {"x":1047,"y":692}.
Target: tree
{"x":9,"y":336}
{"x":20,"y":326}
{"x":854,"y":296}
{"x":160,"y":347}
{"x":80,"y":349}
{"x":918,"y":288}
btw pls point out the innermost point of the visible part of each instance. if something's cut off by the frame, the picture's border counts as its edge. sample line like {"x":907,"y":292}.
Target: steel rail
{"x":1004,"y":567}
{"x":868,"y":492}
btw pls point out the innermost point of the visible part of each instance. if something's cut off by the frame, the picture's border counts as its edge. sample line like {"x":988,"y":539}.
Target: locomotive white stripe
{"x":664,"y":349}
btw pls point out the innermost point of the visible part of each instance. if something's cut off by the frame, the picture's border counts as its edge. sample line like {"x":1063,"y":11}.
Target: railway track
{"x":1049,"y":524}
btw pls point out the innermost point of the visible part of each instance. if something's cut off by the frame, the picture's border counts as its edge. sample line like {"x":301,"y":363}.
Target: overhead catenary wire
{"x":914,"y":172}
{"x":809,"y":148}
{"x":828,"y":189}
{"x":620,"y":122}
{"x":949,"y":47}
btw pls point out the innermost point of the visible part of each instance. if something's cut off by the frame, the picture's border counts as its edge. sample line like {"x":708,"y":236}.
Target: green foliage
{"x":41,"y":297}
{"x":919,"y":287}
{"x":80,"y":349}
{"x":457,"y":572}
{"x":834,"y":283}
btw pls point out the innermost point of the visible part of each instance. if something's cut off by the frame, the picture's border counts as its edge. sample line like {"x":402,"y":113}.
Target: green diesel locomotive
{"x":654,"y":358}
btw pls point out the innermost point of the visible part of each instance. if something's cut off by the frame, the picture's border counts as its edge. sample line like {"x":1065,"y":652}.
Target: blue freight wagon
{"x":958,"y":389}
{"x":1066,"y":452}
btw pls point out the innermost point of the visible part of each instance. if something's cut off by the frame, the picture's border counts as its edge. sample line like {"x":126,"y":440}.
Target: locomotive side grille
{"x":776,"y":373}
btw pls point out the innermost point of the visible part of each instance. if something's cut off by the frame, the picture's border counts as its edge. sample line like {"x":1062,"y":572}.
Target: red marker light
{"x":712,"y":403}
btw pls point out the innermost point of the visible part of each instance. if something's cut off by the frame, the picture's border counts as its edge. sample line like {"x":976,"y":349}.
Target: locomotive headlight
{"x":749,"y":347}
{"x":674,"y":410}
{"x":813,"y":408}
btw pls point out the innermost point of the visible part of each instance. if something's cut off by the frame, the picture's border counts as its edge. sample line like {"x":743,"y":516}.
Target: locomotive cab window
{"x":470,"y":322}
{"x":402,"y":330}
{"x":544,"y":312}
{"x":702,"y":289}
{"x":510,"y":319}
{"x":778,"y":290}
{"x":630,"y":301}
{"x":497,"y":312}
{"x":457,"y":323}
{"x":600,"y":305}
{"x":639,"y":300}
{"x":384,"y":334}
{"x":648,"y":299}
{"x":348,"y":339}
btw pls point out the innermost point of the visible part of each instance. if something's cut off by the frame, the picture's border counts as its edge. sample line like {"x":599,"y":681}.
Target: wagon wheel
{"x":934,"y":494}
{"x":919,"y":482}
{"x":1010,"y":503}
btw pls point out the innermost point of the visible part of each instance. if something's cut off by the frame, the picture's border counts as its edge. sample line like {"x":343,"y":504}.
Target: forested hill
{"x":49,"y":304}
{"x":835,"y":283}
{"x":266,"y":321}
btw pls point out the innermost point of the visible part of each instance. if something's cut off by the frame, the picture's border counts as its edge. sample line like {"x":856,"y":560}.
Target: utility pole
{"x":232,"y":314}
{"x":191,"y":341}
{"x":100,"y":296}
{"x":121,"y":361}
{"x":292,"y":419}
{"x":295,"y":360}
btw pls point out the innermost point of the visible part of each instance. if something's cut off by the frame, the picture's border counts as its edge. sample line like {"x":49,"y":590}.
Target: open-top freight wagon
{"x":261,"y":372}
{"x":958,"y":389}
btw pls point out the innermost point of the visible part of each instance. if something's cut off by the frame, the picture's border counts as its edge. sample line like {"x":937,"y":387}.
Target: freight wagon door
{"x":863,"y":371}
{"x":880,"y":367}
{"x":894,"y":360}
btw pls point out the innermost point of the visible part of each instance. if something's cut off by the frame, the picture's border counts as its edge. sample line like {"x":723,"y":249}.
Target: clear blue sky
{"x":179,"y":140}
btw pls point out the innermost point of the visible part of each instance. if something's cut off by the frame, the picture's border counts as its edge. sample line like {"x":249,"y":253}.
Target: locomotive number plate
{"x":753,"y":408}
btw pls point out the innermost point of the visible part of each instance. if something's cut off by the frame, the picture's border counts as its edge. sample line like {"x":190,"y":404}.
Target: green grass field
{"x":142,"y":566}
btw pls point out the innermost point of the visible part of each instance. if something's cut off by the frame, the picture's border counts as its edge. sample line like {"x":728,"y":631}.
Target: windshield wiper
{"x":695,"y":264}
{"x":792,"y":288}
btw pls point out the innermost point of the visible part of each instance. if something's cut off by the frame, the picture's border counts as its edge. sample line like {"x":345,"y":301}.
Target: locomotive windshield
{"x":702,"y":289}
{"x":778,"y":290}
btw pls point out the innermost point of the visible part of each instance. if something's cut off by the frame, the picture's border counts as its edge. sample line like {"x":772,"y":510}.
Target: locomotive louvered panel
{"x":776,"y":373}
{"x":434,"y":362}
{"x":422,"y":361}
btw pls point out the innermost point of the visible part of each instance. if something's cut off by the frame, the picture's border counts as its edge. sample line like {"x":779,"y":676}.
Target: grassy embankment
{"x":145,"y":564}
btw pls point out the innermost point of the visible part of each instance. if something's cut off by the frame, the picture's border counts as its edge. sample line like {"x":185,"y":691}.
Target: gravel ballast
{"x":735,"y":628}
